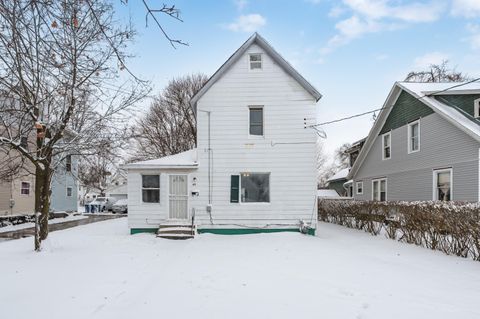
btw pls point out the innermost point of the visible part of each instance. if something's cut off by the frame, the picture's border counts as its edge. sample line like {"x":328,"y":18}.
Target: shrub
{"x":451,"y":227}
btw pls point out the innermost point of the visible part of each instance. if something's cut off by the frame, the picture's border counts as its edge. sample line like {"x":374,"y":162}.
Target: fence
{"x":453,"y":228}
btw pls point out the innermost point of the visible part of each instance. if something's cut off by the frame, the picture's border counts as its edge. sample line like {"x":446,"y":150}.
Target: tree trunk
{"x":42,"y":201}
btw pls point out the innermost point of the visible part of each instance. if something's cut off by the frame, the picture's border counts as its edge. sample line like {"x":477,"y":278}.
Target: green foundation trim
{"x":134,"y":231}
{"x":245,"y":231}
{"x":229,"y":231}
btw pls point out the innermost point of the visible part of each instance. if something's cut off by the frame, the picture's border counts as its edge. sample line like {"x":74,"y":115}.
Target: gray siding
{"x":410,"y":176}
{"x":60,"y":181}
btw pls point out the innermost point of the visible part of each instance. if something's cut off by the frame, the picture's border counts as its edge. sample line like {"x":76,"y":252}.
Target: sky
{"x":352,"y":51}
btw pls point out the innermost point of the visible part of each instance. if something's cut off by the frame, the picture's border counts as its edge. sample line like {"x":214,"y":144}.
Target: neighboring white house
{"x":254,"y":166}
{"x":117,"y":187}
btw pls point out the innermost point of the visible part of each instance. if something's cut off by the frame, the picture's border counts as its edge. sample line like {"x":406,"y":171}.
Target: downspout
{"x":209,"y":150}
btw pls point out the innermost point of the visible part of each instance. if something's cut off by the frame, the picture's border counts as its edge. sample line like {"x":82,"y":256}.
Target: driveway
{"x":29,"y":232}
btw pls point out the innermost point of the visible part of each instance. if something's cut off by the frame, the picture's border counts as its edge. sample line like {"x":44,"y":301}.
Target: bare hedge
{"x":453,"y":228}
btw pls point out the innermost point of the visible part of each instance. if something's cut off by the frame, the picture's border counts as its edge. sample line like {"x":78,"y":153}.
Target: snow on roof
{"x":187,"y":159}
{"x":339,"y":175}
{"x":435,"y":88}
{"x":425,"y":92}
{"x":327,"y":193}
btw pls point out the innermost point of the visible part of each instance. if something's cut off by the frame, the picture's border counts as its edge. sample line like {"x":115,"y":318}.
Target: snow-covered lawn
{"x":99,"y":271}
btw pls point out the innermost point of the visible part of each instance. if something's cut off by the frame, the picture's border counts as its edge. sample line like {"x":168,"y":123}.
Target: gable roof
{"x":425,"y":92}
{"x":261,"y":42}
{"x":187,"y":159}
{"x":341,"y":174}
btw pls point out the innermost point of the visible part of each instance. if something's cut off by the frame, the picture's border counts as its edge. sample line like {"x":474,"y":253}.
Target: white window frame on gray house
{"x":377,"y":191}
{"x":150,"y":189}
{"x":242,"y":191}
{"x":436,"y":172}
{"x":476,"y":108}
{"x":411,"y":137}
{"x":385,"y":147}
{"x":255,"y":62}
{"x":69,"y":194}
{"x":359,"y":188}
{"x":256,"y":108}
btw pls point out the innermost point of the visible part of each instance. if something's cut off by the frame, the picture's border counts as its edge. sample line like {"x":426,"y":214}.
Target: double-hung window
{"x":151,"y":188}
{"x":255,"y":120}
{"x":24,"y":142}
{"x":255,"y":61}
{"x":359,"y":188}
{"x":69,"y":191}
{"x":476,"y":108}
{"x":379,"y":189}
{"x":68,"y":163}
{"x":386,"y":146}
{"x":414,"y":137}
{"x":250,"y":188}
{"x":25,"y":188}
{"x":442,"y":184}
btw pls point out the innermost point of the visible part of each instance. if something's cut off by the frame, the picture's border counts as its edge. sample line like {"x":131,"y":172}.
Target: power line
{"x":387,"y":107}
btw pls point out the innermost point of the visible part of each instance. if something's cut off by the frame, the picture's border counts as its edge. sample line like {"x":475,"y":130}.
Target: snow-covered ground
{"x":57,"y":220}
{"x":99,"y":271}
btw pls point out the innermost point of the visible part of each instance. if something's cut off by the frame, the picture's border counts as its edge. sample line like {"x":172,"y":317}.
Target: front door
{"x":178,"y":197}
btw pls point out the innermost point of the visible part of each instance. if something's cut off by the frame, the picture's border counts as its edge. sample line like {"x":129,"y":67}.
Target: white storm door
{"x":178,"y":197}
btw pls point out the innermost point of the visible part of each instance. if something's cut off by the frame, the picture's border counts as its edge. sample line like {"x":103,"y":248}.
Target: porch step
{"x":176,"y":231}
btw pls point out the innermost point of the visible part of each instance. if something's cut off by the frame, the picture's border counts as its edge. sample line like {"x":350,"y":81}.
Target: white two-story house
{"x":253,"y":169}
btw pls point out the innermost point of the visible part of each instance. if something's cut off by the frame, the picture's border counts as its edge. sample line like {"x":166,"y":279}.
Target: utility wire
{"x":387,"y":107}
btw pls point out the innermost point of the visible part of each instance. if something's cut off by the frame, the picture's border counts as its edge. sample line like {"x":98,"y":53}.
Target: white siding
{"x":148,"y":215}
{"x":292,"y":166}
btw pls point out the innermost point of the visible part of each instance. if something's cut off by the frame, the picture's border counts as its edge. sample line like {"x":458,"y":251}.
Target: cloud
{"x":240,"y":4}
{"x":428,"y":59}
{"x":411,"y":12}
{"x":247,"y":23}
{"x":466,"y":8}
{"x":371,"y":16}
{"x":474,"y":38}
{"x":348,"y":30}
{"x":336,"y":11}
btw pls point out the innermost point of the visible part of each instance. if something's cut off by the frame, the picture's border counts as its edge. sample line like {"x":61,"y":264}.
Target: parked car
{"x":100,"y":204}
{"x":120,"y":207}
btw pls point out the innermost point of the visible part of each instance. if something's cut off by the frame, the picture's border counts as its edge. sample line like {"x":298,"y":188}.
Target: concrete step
{"x":176,"y":231}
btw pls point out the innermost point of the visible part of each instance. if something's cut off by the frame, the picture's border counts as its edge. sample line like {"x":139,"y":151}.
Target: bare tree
{"x":169,"y":126}
{"x":60,"y":67}
{"x":437,"y":73}
{"x":342,"y":157}
{"x":324,"y":169}
{"x":94,"y":171}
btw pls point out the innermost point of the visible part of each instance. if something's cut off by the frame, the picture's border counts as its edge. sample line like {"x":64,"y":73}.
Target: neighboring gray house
{"x":337,"y":182}
{"x":424,"y":145}
{"x":65,"y":186}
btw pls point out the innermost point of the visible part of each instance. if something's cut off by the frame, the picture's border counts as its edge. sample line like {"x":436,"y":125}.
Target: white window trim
{"x":159,"y":189}
{"x":435,"y":180}
{"x":383,"y":146}
{"x":67,"y":191}
{"x":250,"y":136}
{"x":29,"y":188}
{"x":409,"y":137}
{"x":250,"y":62}
{"x":356,"y":188}
{"x":476,"y":108}
{"x":254,"y":203}
{"x":386,"y":187}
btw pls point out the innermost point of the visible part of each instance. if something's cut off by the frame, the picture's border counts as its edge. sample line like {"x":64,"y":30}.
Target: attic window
{"x":476,"y":108}
{"x":255,"y":60}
